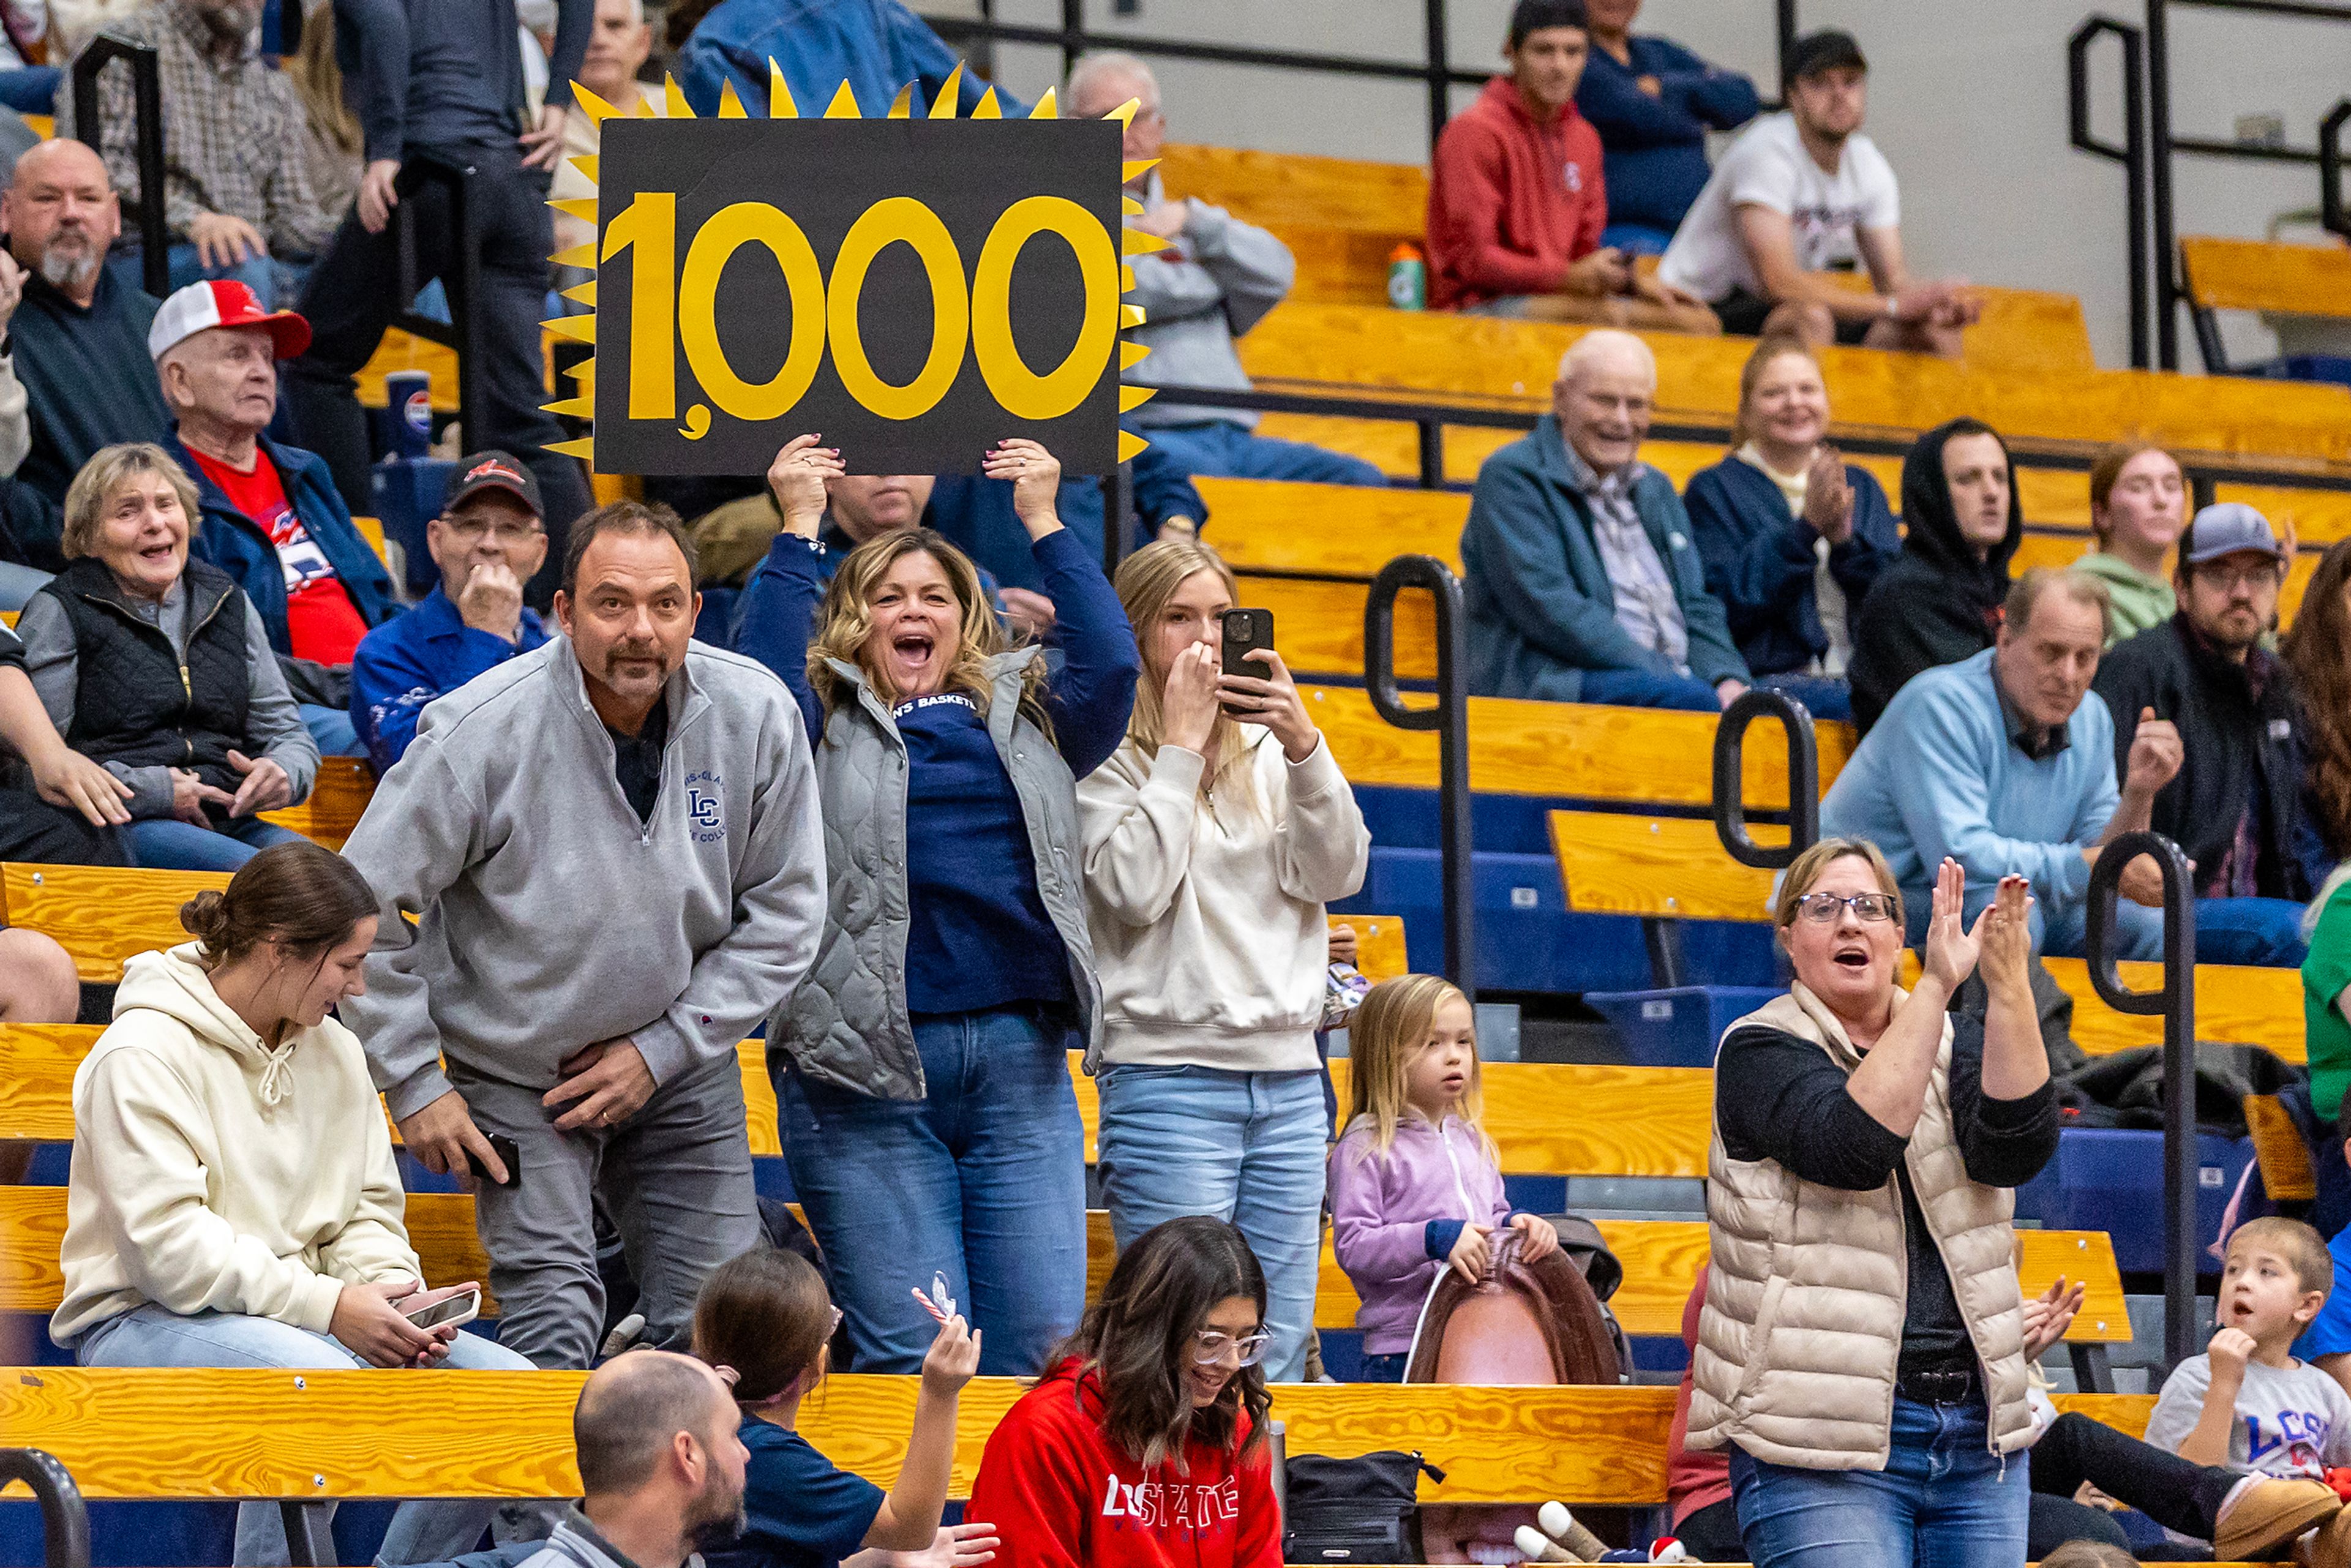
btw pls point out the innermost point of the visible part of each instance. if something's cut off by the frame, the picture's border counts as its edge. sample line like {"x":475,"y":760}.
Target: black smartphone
{"x":508,"y":1156}
{"x":1247,"y":630}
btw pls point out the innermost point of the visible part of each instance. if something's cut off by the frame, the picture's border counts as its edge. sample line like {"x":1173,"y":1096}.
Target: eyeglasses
{"x":470,"y":529}
{"x":2229,"y":579}
{"x":1822,"y":908}
{"x":1210,"y":1347}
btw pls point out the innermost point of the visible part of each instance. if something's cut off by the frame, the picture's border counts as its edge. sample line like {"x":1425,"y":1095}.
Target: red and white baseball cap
{"x":223,"y":302}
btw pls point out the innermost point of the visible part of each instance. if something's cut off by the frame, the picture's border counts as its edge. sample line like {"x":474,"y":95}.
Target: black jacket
{"x":2233,"y":743}
{"x":1937,"y":604}
{"x":134,"y":703}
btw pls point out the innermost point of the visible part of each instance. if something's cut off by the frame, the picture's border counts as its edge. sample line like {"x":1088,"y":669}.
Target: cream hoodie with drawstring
{"x":212,"y":1173}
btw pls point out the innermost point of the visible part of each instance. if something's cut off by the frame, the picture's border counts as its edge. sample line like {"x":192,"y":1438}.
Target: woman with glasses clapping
{"x":1861,"y":1351}
{"x":1144,"y":1442}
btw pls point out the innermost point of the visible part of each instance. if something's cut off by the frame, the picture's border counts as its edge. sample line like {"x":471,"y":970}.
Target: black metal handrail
{"x":1729,"y":776}
{"x":464,"y":285}
{"x":147,"y":141}
{"x":2330,"y":169}
{"x":1449,"y":717}
{"x":1072,"y":38}
{"x":2162,"y":146}
{"x":65,"y":1518}
{"x":2131,"y":154}
{"x":2175,"y":1001}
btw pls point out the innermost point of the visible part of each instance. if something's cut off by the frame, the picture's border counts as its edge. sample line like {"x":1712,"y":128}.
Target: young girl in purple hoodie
{"x":1415,"y":1184}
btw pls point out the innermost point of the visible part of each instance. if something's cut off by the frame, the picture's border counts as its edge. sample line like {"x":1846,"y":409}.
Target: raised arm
{"x":776,"y":617}
{"x":1094,"y":696}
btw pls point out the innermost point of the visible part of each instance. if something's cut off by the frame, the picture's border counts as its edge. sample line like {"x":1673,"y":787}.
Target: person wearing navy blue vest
{"x":269,"y":515}
{"x":921,"y":1068}
{"x":488,"y":542}
{"x":1791,"y":533}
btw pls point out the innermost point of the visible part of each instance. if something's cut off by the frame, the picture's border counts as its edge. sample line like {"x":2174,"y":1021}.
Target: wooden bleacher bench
{"x":2266,"y":274}
{"x":1342,"y":217}
{"x":1675,"y":868}
{"x":323,"y":1435}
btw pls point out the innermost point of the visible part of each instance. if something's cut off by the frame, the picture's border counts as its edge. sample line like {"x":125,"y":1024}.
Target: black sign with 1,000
{"x":912,"y":290}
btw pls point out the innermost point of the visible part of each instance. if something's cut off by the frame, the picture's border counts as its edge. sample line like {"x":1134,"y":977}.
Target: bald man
{"x":79,"y":336}
{"x":661,"y":1467}
{"x":1585,"y":583}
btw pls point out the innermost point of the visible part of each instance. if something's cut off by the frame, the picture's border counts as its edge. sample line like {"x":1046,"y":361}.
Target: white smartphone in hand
{"x":452,"y":1313}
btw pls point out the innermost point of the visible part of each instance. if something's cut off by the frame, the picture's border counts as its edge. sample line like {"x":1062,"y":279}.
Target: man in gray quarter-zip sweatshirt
{"x":614,"y":849}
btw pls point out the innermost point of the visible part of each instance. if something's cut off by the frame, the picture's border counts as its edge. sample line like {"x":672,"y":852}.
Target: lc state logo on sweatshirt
{"x":706,"y":806}
{"x":1160,"y":1505}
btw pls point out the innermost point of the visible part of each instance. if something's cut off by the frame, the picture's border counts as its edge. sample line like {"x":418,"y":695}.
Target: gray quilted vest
{"x":846,"y":1026}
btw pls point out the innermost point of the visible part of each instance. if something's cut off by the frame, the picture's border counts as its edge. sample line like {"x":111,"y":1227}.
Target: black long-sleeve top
{"x":1779,"y":1097}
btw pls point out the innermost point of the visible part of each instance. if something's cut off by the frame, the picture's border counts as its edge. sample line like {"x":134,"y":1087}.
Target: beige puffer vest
{"x":1807,"y":1287}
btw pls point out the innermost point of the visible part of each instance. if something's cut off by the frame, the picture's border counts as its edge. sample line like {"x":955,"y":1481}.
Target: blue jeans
{"x":1944,"y":1500}
{"x":151,"y":1336}
{"x":332,"y":728}
{"x":1388,"y":1368}
{"x":2266,"y":932}
{"x":1636,"y":239}
{"x":1228,"y":450}
{"x":19,"y":583}
{"x":31,"y":90}
{"x":276,"y":282}
{"x":1246,"y":1147}
{"x":1824,"y":698}
{"x":1638,"y":688}
{"x":983,"y":1180}
{"x":166,"y":843}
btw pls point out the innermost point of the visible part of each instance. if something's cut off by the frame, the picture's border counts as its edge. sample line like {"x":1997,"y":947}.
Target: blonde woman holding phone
{"x":1215,"y":836}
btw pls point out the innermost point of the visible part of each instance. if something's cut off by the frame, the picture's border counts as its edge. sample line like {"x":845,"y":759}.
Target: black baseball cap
{"x":494,"y":471}
{"x":1825,"y":50}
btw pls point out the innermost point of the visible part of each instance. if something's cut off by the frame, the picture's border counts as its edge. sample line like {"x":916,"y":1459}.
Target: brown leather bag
{"x":1523,"y":1323}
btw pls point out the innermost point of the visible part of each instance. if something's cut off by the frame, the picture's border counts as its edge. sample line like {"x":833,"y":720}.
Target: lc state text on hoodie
{"x":212,"y":1172}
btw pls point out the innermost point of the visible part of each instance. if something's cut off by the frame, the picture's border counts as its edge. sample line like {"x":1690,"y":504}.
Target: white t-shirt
{"x":1768,"y":167}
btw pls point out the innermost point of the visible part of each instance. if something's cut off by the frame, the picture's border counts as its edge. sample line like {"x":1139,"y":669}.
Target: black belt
{"x":1948,"y":1383}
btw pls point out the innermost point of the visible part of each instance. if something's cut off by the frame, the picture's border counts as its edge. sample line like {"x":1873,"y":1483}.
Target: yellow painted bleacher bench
{"x":1675,"y":868}
{"x":2266,"y":274}
{"x":1662,"y":1259}
{"x":320,"y":1436}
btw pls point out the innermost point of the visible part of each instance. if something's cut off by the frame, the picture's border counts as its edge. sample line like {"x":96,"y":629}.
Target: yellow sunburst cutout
{"x":1133,"y":241}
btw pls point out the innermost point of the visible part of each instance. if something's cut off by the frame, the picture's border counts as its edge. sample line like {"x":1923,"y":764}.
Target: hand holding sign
{"x":1036,"y":477}
{"x":797,"y":477}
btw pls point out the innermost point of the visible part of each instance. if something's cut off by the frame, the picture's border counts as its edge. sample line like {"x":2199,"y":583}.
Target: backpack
{"x":1363,"y":1510}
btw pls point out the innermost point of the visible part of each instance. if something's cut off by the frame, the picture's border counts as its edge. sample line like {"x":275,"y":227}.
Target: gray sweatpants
{"x":675,"y":1179}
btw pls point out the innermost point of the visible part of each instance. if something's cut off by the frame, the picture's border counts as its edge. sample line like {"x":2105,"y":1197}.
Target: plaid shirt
{"x":233,"y":132}
{"x":1646,"y":607}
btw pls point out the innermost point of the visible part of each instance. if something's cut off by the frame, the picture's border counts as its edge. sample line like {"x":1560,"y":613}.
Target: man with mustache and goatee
{"x":78,"y":336}
{"x":613,"y":847}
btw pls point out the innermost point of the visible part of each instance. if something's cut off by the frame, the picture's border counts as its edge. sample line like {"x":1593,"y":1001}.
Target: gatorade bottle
{"x":1408,"y":278}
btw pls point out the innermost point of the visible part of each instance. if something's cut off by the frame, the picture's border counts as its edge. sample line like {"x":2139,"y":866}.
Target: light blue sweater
{"x":1939,"y":776}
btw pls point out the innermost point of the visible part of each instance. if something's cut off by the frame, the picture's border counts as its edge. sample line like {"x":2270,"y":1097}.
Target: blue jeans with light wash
{"x":1638,"y":688}
{"x":332,"y":729}
{"x":166,"y":843}
{"x":1246,"y":1147}
{"x":19,"y":583}
{"x":982,"y":1180}
{"x":1944,"y":1500}
{"x":1220,"y":448}
{"x":1636,"y":239}
{"x":275,"y":282}
{"x":2266,"y":932}
{"x":151,"y":1337}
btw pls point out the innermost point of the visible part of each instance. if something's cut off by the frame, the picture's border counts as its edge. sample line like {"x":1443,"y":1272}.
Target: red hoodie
{"x":1061,"y":1494}
{"x":1511,"y":200}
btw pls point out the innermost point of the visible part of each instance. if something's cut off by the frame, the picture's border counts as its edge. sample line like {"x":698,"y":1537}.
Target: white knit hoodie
{"x":210,"y":1172}
{"x":1208,"y":919}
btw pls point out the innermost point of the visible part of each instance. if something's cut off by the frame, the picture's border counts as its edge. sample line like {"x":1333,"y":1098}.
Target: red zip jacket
{"x":1061,"y":1494}
{"x":1511,"y":200}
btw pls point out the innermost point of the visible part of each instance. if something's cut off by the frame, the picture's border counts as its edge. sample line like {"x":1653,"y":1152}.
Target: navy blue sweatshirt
{"x":1760,"y":560}
{"x":89,"y":380}
{"x":446,"y":73}
{"x":978,"y":933}
{"x":1654,"y":149}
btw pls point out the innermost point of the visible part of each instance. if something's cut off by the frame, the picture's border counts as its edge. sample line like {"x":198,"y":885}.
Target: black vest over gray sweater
{"x":135,"y":704}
